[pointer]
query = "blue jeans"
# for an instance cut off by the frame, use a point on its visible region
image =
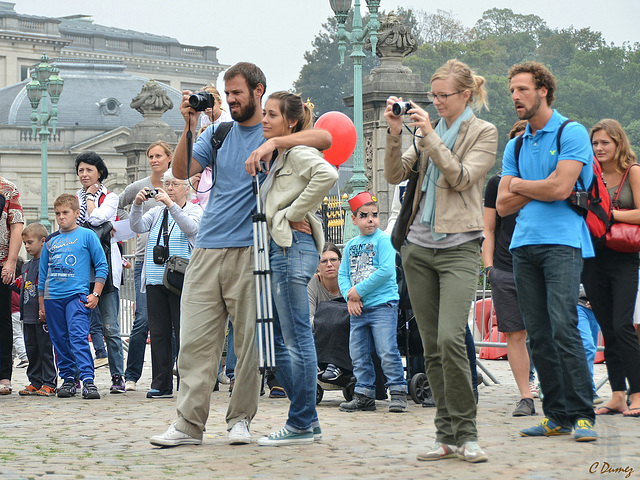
(375, 330)
(296, 358)
(548, 280)
(109, 306)
(95, 330)
(139, 331)
(589, 329)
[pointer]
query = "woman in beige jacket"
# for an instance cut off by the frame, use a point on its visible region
(440, 234)
(297, 182)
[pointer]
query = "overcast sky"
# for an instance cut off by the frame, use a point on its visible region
(274, 34)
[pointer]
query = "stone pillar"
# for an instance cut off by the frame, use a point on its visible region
(395, 42)
(151, 102)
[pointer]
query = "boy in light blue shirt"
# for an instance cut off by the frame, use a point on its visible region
(367, 280)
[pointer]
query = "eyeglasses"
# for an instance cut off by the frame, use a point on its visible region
(174, 184)
(364, 215)
(442, 97)
(330, 260)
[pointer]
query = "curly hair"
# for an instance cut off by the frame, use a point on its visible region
(542, 77)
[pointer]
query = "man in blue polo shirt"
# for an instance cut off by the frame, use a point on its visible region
(548, 244)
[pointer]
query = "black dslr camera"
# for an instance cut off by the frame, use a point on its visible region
(201, 101)
(400, 108)
(151, 193)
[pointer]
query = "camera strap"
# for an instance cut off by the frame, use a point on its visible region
(164, 230)
(217, 138)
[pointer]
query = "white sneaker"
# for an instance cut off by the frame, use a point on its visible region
(534, 390)
(239, 433)
(130, 386)
(173, 437)
(471, 452)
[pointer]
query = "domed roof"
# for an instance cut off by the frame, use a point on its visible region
(95, 95)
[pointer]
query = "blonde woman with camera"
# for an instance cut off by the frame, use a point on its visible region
(441, 234)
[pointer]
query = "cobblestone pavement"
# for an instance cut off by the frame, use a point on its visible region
(57, 438)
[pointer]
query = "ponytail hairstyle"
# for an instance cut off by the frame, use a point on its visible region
(464, 79)
(294, 110)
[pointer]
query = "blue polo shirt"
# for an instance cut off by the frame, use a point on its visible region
(550, 223)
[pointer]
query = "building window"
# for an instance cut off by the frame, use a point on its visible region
(109, 106)
(24, 73)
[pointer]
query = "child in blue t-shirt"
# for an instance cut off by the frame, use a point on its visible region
(42, 366)
(367, 279)
(63, 294)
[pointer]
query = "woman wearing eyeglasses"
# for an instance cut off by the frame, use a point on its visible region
(297, 182)
(331, 327)
(441, 240)
(172, 223)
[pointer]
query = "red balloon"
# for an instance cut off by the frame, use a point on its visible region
(343, 133)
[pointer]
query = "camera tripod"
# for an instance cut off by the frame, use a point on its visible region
(262, 274)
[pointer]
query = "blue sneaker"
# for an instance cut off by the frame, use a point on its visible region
(583, 431)
(155, 393)
(546, 428)
(317, 434)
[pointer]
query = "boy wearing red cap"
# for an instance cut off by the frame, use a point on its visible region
(367, 279)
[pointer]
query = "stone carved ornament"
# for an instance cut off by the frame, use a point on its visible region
(152, 99)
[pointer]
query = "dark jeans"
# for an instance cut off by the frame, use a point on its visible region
(139, 331)
(164, 318)
(6, 332)
(548, 281)
(95, 330)
(42, 365)
(611, 283)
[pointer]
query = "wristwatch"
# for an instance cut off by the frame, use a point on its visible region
(95, 294)
(90, 196)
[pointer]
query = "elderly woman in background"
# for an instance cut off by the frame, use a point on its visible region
(178, 220)
(97, 207)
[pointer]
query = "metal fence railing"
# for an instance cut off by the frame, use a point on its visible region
(127, 297)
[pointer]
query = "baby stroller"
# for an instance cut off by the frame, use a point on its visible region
(331, 335)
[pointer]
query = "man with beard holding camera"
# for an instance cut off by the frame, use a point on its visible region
(219, 281)
(548, 244)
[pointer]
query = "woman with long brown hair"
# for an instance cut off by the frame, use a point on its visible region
(611, 278)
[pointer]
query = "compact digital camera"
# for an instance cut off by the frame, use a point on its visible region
(151, 193)
(201, 101)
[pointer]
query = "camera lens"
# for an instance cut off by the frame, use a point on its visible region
(400, 108)
(201, 101)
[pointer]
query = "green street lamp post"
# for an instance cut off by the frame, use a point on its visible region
(357, 38)
(45, 82)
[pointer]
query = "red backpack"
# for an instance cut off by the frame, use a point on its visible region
(599, 217)
(598, 212)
